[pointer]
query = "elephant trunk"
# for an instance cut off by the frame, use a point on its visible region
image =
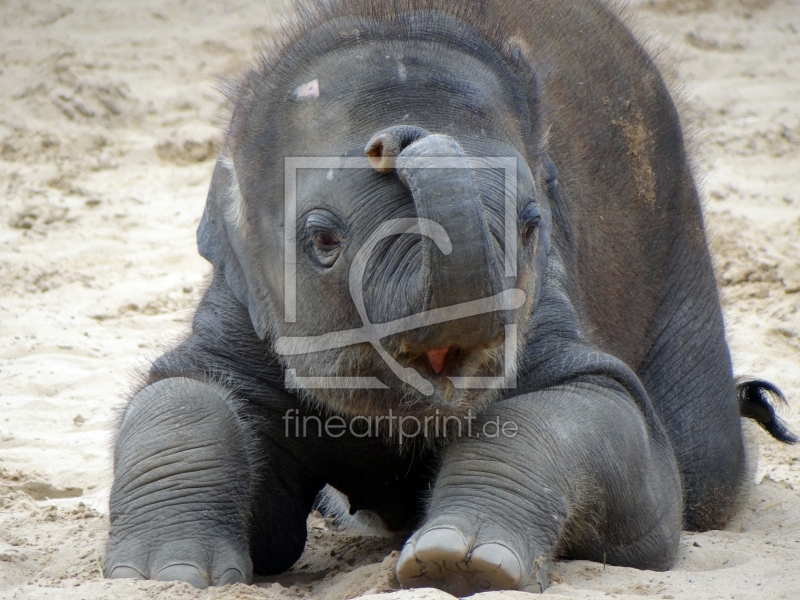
(436, 170)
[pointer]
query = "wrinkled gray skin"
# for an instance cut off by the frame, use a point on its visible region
(626, 412)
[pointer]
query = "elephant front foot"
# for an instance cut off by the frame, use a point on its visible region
(199, 562)
(464, 556)
(182, 489)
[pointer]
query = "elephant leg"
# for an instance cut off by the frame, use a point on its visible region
(286, 493)
(184, 484)
(688, 376)
(573, 469)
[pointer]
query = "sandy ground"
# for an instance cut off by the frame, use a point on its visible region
(109, 123)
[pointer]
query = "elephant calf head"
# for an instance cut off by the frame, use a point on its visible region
(378, 207)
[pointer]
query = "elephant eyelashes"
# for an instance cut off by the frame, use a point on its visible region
(324, 239)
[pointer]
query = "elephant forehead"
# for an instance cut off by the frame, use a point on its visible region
(347, 94)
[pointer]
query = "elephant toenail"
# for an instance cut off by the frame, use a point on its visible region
(229, 577)
(499, 565)
(123, 572)
(188, 573)
(441, 544)
(407, 565)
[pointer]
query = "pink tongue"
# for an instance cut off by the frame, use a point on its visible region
(436, 357)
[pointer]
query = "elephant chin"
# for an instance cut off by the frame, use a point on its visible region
(393, 394)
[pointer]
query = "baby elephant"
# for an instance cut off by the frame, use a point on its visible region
(460, 275)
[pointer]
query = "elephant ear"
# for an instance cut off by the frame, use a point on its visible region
(221, 241)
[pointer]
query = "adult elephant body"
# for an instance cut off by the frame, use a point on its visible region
(569, 296)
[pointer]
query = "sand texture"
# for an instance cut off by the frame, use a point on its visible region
(109, 126)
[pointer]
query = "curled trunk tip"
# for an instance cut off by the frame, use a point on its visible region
(384, 147)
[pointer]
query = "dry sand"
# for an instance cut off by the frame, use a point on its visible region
(109, 123)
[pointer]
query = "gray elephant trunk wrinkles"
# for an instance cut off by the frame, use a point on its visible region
(450, 197)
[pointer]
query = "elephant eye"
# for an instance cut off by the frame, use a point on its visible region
(324, 237)
(325, 241)
(325, 246)
(529, 220)
(527, 232)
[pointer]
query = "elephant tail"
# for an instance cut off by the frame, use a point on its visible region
(758, 400)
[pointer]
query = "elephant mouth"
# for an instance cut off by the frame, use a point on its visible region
(439, 357)
(442, 363)
(435, 364)
(447, 368)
